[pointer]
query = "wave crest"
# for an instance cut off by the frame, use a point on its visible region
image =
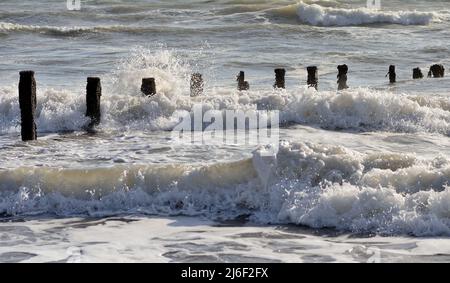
(308, 184)
(324, 16)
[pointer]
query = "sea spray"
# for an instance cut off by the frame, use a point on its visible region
(360, 109)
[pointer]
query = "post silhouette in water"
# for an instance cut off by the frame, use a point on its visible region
(436, 71)
(392, 75)
(417, 73)
(342, 77)
(148, 87)
(197, 84)
(242, 83)
(93, 96)
(313, 77)
(280, 81)
(27, 102)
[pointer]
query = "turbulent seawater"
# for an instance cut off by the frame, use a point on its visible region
(362, 171)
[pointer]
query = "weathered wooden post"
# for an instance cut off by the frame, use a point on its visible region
(148, 86)
(242, 84)
(392, 75)
(27, 102)
(280, 81)
(436, 71)
(342, 77)
(93, 95)
(313, 77)
(417, 73)
(197, 84)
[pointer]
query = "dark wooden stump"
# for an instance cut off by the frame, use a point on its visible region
(27, 101)
(436, 71)
(242, 83)
(280, 81)
(197, 84)
(313, 77)
(342, 77)
(392, 75)
(417, 73)
(148, 86)
(93, 96)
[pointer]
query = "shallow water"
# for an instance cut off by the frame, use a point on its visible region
(191, 240)
(373, 160)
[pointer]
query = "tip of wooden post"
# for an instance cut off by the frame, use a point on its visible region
(417, 73)
(437, 71)
(196, 76)
(148, 79)
(27, 73)
(280, 74)
(343, 68)
(93, 79)
(148, 86)
(197, 84)
(242, 84)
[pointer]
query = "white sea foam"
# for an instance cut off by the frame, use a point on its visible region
(123, 106)
(316, 15)
(309, 184)
(358, 109)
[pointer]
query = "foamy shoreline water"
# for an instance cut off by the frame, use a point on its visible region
(181, 239)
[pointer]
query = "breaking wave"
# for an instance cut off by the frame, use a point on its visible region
(6, 28)
(316, 15)
(124, 107)
(307, 184)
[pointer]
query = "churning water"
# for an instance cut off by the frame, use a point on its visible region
(373, 160)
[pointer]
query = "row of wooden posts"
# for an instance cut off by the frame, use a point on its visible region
(27, 91)
(436, 71)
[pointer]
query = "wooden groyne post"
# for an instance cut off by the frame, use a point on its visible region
(148, 86)
(417, 73)
(280, 81)
(242, 83)
(392, 74)
(197, 84)
(436, 71)
(27, 101)
(313, 77)
(93, 96)
(342, 77)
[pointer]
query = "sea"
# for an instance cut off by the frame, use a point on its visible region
(358, 175)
